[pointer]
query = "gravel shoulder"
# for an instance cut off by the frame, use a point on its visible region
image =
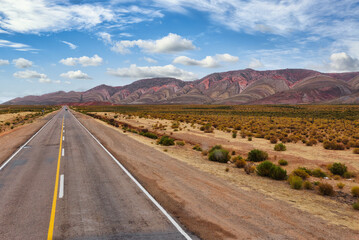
(214, 204)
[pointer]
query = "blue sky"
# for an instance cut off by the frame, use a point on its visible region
(47, 46)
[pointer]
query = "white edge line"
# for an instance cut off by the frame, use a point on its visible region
(12, 156)
(178, 227)
(63, 152)
(61, 191)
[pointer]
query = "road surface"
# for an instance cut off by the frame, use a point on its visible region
(64, 185)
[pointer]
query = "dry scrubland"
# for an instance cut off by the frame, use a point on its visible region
(15, 116)
(313, 149)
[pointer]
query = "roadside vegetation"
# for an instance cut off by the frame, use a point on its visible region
(333, 127)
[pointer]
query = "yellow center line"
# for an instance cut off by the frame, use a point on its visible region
(53, 210)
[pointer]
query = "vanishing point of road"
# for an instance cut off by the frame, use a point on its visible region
(63, 184)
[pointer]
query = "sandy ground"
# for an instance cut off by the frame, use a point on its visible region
(9, 116)
(12, 139)
(226, 204)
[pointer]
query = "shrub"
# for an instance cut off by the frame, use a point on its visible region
(257, 155)
(234, 134)
(149, 135)
(356, 150)
(218, 154)
(340, 185)
(300, 173)
(273, 140)
(264, 168)
(348, 175)
(326, 189)
(280, 147)
(295, 182)
(308, 185)
(239, 162)
(278, 173)
(338, 169)
(306, 170)
(332, 145)
(318, 173)
(166, 141)
(355, 191)
(249, 168)
(356, 206)
(283, 162)
(197, 148)
(249, 138)
(180, 143)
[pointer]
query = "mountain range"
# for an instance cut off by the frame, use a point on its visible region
(248, 86)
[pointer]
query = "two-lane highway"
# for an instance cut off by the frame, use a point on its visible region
(64, 185)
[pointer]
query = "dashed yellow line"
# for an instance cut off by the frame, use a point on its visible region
(53, 210)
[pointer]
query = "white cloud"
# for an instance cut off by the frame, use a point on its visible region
(71, 45)
(67, 82)
(4, 62)
(22, 63)
(29, 74)
(171, 43)
(255, 64)
(207, 62)
(36, 16)
(75, 75)
(331, 18)
(150, 72)
(16, 46)
(106, 37)
(343, 62)
(84, 61)
(150, 60)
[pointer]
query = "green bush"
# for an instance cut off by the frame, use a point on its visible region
(340, 185)
(356, 205)
(301, 173)
(348, 175)
(166, 141)
(295, 182)
(308, 185)
(355, 191)
(218, 154)
(149, 135)
(197, 148)
(283, 162)
(268, 169)
(280, 147)
(278, 173)
(318, 173)
(264, 168)
(257, 155)
(338, 169)
(326, 189)
(180, 143)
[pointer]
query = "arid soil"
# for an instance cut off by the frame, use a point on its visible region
(11, 140)
(216, 204)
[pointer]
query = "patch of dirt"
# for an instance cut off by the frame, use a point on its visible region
(243, 206)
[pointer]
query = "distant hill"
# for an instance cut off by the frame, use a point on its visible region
(286, 86)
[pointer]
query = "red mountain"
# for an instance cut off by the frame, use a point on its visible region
(286, 86)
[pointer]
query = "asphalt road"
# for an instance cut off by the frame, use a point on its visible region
(64, 185)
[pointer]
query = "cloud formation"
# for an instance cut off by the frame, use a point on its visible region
(150, 60)
(343, 62)
(14, 45)
(75, 75)
(4, 62)
(84, 61)
(30, 74)
(255, 64)
(136, 72)
(71, 45)
(207, 62)
(36, 16)
(22, 63)
(171, 43)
